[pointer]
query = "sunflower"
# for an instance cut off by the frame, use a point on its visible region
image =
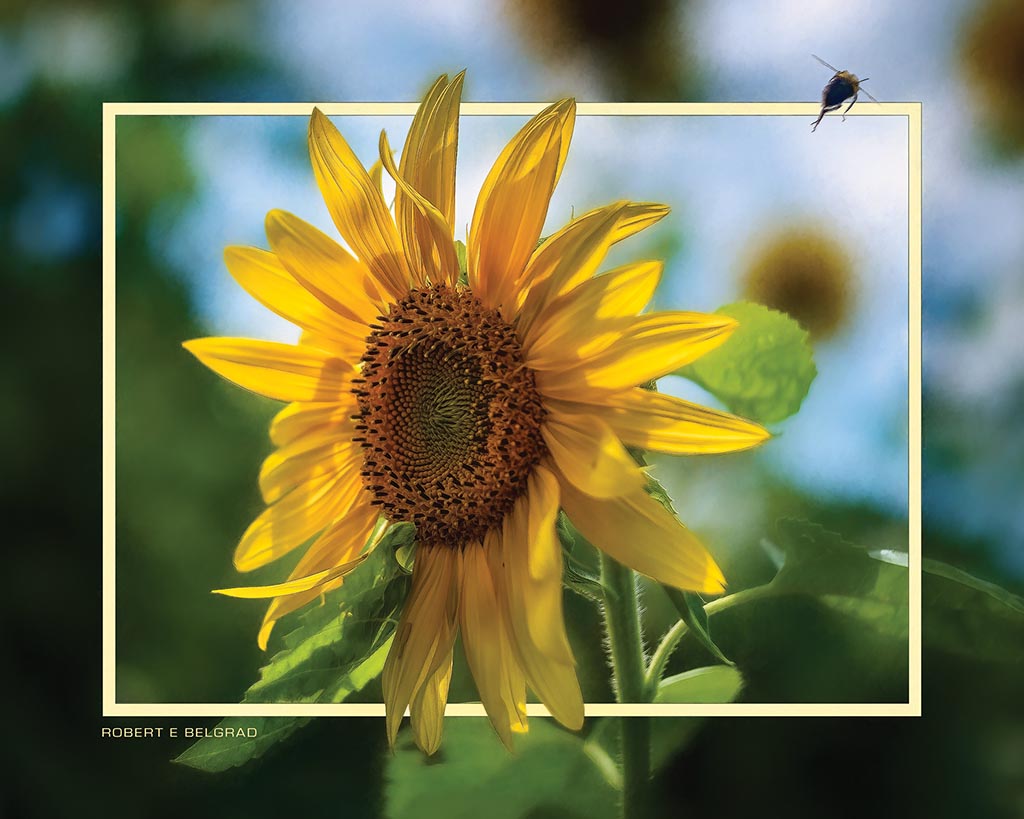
(474, 408)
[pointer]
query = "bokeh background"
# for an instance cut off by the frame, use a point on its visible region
(189, 446)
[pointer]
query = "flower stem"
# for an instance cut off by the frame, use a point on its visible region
(656, 668)
(622, 621)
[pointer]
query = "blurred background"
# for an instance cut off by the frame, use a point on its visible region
(762, 209)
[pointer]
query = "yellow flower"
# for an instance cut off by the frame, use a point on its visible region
(474, 411)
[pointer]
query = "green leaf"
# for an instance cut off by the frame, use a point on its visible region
(764, 370)
(971, 617)
(691, 610)
(336, 649)
(215, 754)
(960, 613)
(550, 774)
(713, 684)
(822, 563)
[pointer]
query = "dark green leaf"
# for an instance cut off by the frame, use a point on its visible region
(960, 613)
(764, 370)
(550, 774)
(691, 610)
(972, 617)
(336, 649)
(821, 563)
(215, 754)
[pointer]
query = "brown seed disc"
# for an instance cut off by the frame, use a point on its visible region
(449, 416)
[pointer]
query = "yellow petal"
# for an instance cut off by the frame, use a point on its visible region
(425, 631)
(300, 419)
(652, 420)
(640, 533)
(591, 456)
(319, 453)
(429, 154)
(266, 279)
(281, 371)
(426, 711)
(489, 653)
(653, 346)
(339, 544)
(577, 324)
(533, 583)
(572, 255)
(426, 236)
(326, 270)
(306, 510)
(301, 584)
(513, 203)
(377, 176)
(356, 206)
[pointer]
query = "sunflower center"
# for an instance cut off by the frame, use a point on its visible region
(449, 415)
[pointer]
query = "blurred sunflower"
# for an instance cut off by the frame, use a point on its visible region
(803, 270)
(992, 58)
(474, 410)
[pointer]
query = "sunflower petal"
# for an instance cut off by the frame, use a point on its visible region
(266, 279)
(488, 649)
(640, 533)
(426, 235)
(533, 583)
(591, 456)
(326, 270)
(572, 255)
(426, 711)
(322, 452)
(299, 584)
(429, 154)
(339, 544)
(653, 346)
(356, 205)
(425, 631)
(597, 308)
(306, 510)
(513, 203)
(651, 420)
(299, 419)
(282, 371)
(376, 172)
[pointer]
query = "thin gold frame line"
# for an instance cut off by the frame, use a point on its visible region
(912, 111)
(653, 109)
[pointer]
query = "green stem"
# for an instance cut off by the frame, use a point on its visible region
(656, 668)
(622, 621)
(730, 600)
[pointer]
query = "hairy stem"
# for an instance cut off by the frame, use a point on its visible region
(656, 668)
(659, 660)
(622, 621)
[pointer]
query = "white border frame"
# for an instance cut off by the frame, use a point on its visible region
(910, 110)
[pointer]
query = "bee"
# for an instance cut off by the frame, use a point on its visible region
(838, 90)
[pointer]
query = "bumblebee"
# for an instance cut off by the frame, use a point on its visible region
(838, 90)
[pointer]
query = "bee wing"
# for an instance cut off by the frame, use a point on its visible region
(866, 94)
(825, 63)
